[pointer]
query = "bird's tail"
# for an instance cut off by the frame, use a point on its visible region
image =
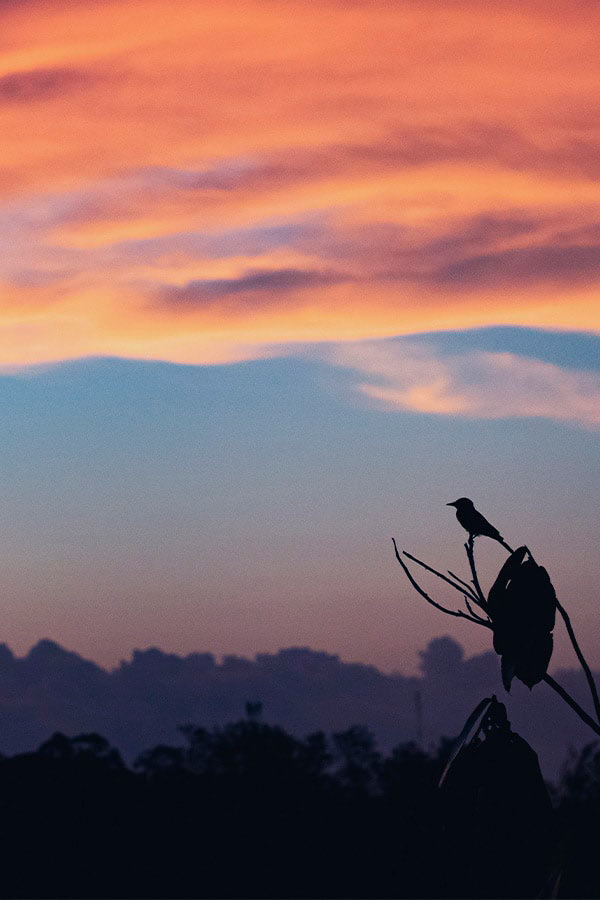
(504, 544)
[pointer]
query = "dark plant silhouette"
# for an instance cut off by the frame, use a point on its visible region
(492, 776)
(519, 610)
(496, 803)
(522, 607)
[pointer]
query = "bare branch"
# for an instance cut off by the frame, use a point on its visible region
(474, 613)
(572, 703)
(456, 587)
(450, 612)
(466, 584)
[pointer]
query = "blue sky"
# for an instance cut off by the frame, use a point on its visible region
(245, 507)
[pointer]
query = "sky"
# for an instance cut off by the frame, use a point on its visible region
(278, 280)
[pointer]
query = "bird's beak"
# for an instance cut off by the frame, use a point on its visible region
(451, 504)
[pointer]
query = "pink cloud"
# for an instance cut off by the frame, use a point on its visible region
(475, 385)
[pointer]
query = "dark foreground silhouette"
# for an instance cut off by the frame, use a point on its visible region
(250, 811)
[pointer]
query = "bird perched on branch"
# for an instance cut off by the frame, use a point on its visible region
(476, 524)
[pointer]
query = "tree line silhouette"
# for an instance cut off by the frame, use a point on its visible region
(248, 810)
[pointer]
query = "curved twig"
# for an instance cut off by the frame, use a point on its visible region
(578, 652)
(466, 584)
(450, 612)
(572, 703)
(473, 613)
(581, 658)
(456, 587)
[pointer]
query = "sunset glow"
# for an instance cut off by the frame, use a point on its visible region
(278, 280)
(212, 182)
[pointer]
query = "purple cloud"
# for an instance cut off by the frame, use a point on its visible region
(277, 282)
(528, 265)
(39, 84)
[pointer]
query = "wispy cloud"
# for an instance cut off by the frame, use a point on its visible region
(404, 376)
(39, 85)
(157, 170)
(269, 284)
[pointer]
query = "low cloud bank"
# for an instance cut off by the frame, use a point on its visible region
(143, 701)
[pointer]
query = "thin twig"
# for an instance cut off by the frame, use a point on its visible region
(581, 658)
(466, 584)
(481, 601)
(572, 703)
(470, 547)
(458, 613)
(472, 611)
(456, 587)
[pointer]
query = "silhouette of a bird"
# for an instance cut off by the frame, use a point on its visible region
(476, 524)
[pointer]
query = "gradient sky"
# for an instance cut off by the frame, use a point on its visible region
(277, 281)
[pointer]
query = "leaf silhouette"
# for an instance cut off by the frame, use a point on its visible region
(467, 733)
(522, 607)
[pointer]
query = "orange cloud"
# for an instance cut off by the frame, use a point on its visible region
(191, 185)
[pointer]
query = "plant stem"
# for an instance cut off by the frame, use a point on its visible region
(581, 658)
(470, 548)
(572, 703)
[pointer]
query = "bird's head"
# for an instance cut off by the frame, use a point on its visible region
(461, 503)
